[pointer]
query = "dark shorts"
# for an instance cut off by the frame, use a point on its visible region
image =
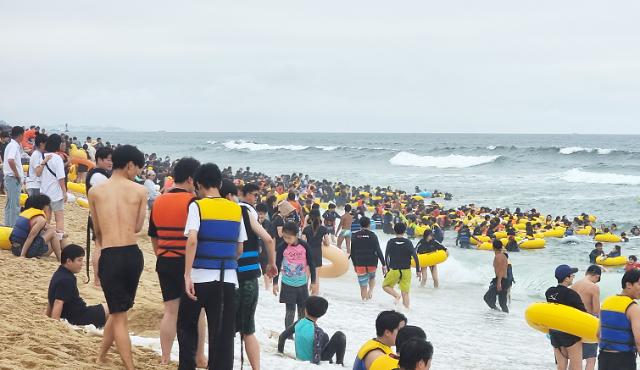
(246, 303)
(293, 295)
(82, 168)
(316, 253)
(589, 350)
(171, 276)
(92, 315)
(616, 361)
(38, 248)
(119, 270)
(560, 339)
(263, 258)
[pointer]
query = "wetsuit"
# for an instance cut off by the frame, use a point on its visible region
(568, 297)
(595, 254)
(429, 246)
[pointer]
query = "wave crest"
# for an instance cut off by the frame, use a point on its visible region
(447, 161)
(576, 175)
(578, 149)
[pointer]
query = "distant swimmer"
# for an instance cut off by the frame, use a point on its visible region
(589, 292)
(398, 256)
(500, 285)
(597, 252)
(118, 209)
(632, 263)
(567, 348)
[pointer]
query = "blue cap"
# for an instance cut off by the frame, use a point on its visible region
(563, 271)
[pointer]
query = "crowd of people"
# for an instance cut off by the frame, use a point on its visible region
(215, 232)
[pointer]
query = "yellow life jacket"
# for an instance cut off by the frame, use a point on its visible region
(386, 362)
(368, 346)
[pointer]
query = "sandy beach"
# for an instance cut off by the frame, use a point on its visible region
(30, 340)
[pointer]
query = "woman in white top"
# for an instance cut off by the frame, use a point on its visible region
(52, 180)
(150, 184)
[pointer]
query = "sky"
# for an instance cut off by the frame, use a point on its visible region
(323, 66)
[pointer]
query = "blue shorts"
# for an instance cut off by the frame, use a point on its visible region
(38, 248)
(589, 350)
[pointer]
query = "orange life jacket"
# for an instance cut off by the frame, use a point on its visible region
(170, 216)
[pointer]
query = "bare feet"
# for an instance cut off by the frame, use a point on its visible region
(103, 361)
(396, 301)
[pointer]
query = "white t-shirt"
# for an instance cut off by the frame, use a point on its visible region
(207, 275)
(12, 151)
(49, 185)
(151, 187)
(91, 151)
(33, 181)
(97, 178)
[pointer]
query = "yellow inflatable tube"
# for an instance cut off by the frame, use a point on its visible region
(533, 244)
(339, 262)
(77, 188)
(431, 259)
(608, 238)
(544, 316)
(558, 232)
(5, 232)
(611, 261)
(482, 238)
(500, 234)
(82, 202)
(585, 231)
(281, 197)
(485, 246)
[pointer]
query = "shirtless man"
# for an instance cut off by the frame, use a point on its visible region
(500, 284)
(590, 294)
(118, 208)
(344, 228)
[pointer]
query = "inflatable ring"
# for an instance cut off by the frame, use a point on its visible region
(281, 197)
(533, 244)
(417, 197)
(543, 316)
(611, 261)
(558, 232)
(608, 238)
(82, 161)
(520, 226)
(339, 262)
(485, 246)
(431, 259)
(376, 197)
(500, 234)
(585, 231)
(535, 235)
(23, 199)
(5, 232)
(82, 202)
(77, 188)
(482, 238)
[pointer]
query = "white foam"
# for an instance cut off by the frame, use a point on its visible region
(326, 148)
(250, 145)
(211, 142)
(576, 175)
(578, 149)
(448, 161)
(491, 147)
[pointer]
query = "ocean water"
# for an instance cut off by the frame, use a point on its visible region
(557, 174)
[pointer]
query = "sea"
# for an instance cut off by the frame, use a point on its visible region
(555, 174)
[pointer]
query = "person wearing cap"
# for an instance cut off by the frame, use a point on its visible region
(589, 292)
(150, 184)
(499, 286)
(567, 348)
(619, 332)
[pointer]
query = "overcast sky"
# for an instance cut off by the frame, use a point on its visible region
(396, 66)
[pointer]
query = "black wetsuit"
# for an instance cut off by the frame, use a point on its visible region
(429, 246)
(399, 253)
(365, 249)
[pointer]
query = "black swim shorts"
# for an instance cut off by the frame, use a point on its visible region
(560, 339)
(119, 270)
(293, 295)
(616, 361)
(92, 315)
(171, 275)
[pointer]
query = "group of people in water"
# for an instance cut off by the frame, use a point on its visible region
(215, 232)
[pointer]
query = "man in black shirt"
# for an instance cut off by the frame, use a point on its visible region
(596, 253)
(365, 253)
(398, 256)
(64, 298)
(567, 348)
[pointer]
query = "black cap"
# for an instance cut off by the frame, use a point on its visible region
(594, 270)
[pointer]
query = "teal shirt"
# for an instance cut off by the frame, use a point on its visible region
(304, 339)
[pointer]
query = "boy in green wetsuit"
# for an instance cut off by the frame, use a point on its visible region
(398, 256)
(312, 343)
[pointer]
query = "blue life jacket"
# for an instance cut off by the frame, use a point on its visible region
(615, 327)
(218, 235)
(22, 227)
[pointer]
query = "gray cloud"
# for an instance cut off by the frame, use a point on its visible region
(414, 66)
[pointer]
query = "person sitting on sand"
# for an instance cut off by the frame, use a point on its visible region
(416, 355)
(32, 236)
(64, 301)
(388, 324)
(312, 343)
(390, 361)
